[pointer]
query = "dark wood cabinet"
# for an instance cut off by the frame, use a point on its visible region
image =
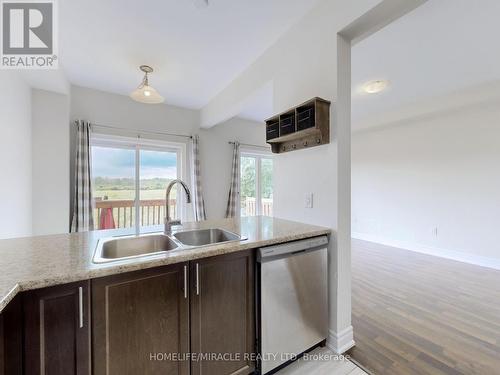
(222, 314)
(57, 330)
(139, 320)
(189, 318)
(11, 338)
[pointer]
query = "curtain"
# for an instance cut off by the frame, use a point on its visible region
(234, 190)
(197, 193)
(83, 207)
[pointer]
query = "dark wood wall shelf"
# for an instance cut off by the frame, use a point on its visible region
(304, 126)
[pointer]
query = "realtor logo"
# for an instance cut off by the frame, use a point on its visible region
(28, 35)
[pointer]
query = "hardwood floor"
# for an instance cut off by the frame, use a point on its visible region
(321, 365)
(419, 314)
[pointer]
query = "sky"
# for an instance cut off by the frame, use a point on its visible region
(120, 163)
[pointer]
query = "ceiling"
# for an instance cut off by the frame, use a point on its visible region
(439, 50)
(195, 52)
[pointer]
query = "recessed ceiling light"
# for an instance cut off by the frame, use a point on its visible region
(374, 87)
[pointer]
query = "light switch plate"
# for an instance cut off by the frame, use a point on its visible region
(309, 200)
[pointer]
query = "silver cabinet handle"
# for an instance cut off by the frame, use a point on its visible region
(80, 306)
(197, 279)
(185, 282)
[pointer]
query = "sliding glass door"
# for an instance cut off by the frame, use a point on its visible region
(130, 179)
(256, 190)
(114, 186)
(156, 169)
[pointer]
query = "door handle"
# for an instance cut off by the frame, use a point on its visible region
(185, 282)
(80, 306)
(197, 279)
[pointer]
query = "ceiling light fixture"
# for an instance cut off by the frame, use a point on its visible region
(145, 93)
(374, 87)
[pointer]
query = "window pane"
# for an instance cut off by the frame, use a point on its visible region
(113, 174)
(266, 186)
(157, 170)
(248, 187)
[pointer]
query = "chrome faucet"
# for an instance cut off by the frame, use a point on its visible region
(168, 220)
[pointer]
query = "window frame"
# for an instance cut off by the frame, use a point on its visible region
(258, 155)
(137, 144)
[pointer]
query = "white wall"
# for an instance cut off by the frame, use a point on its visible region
(301, 65)
(50, 154)
(440, 171)
(216, 158)
(119, 110)
(15, 156)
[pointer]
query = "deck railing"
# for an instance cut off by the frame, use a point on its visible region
(250, 207)
(151, 212)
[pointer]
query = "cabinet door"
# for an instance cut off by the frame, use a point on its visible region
(11, 338)
(57, 330)
(222, 314)
(139, 320)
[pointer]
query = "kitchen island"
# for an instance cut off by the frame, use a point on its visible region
(82, 317)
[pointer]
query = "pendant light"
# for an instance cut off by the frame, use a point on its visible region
(145, 93)
(374, 87)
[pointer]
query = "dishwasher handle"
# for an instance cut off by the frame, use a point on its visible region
(288, 249)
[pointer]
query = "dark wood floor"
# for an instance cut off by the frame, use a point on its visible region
(419, 314)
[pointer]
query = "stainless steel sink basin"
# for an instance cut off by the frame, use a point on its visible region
(114, 249)
(202, 237)
(129, 247)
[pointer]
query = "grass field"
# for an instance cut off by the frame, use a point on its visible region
(130, 194)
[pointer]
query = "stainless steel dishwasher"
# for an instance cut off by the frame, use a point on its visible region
(293, 300)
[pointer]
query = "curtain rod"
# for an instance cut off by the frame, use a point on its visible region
(249, 145)
(140, 131)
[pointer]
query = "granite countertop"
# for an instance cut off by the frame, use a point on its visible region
(37, 262)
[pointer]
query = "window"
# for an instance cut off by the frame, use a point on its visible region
(256, 189)
(130, 178)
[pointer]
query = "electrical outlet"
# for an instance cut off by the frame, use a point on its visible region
(309, 200)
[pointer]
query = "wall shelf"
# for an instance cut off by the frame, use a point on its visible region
(304, 126)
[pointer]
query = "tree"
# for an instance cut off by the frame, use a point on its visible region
(248, 177)
(247, 188)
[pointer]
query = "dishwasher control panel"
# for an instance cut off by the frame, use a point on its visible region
(292, 247)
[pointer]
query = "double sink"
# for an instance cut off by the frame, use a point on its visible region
(130, 247)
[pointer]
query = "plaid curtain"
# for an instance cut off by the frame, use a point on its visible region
(198, 202)
(83, 207)
(234, 190)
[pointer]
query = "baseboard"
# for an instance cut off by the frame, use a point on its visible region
(341, 342)
(429, 250)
